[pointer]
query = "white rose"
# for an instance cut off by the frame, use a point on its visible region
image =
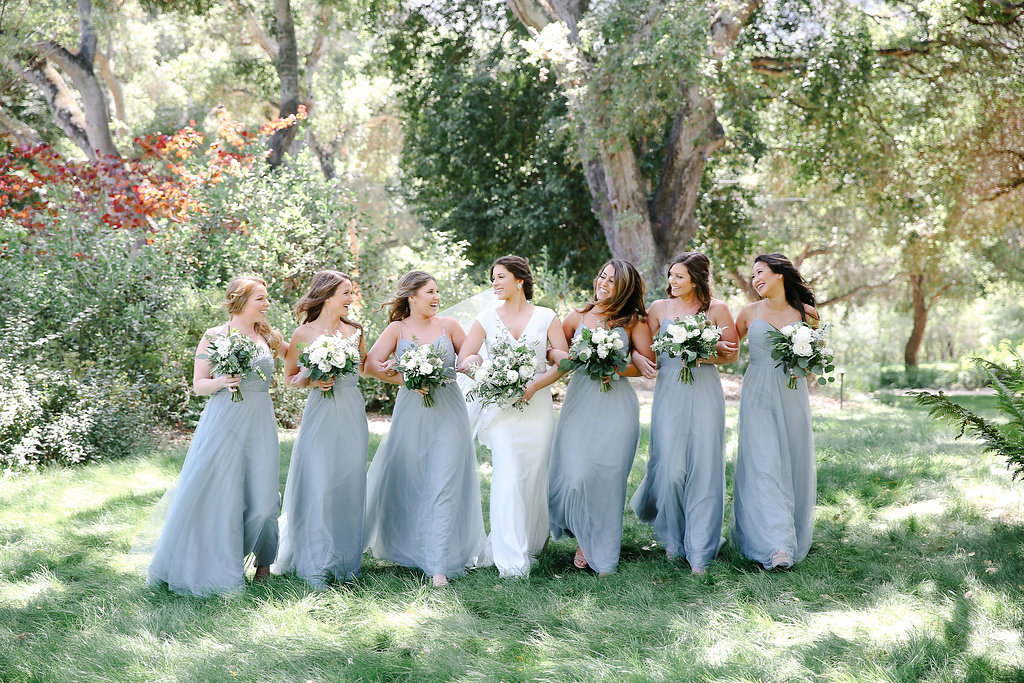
(223, 345)
(803, 334)
(803, 348)
(693, 332)
(525, 372)
(512, 375)
(602, 352)
(324, 367)
(318, 354)
(679, 335)
(426, 368)
(599, 335)
(788, 329)
(618, 343)
(708, 334)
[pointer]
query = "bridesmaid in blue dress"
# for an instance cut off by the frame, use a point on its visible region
(226, 500)
(683, 493)
(775, 484)
(423, 487)
(598, 432)
(324, 499)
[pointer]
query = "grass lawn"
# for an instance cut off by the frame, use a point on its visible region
(915, 574)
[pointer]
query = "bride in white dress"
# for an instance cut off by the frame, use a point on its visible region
(519, 440)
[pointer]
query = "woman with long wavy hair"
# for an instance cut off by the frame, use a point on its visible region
(682, 494)
(598, 431)
(423, 489)
(224, 506)
(774, 484)
(325, 496)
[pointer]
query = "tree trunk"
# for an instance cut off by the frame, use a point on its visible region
(921, 307)
(61, 102)
(288, 72)
(646, 231)
(95, 118)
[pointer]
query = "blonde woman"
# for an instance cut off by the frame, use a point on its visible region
(225, 504)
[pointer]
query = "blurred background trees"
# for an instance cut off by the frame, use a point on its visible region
(151, 149)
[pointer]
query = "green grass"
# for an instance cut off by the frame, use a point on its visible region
(916, 573)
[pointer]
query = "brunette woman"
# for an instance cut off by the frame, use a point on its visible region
(774, 483)
(423, 488)
(683, 493)
(325, 497)
(598, 431)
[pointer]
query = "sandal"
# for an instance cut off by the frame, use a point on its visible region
(780, 559)
(578, 560)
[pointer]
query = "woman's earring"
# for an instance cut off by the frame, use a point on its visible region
(519, 286)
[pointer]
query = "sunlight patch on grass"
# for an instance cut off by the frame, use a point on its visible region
(36, 586)
(932, 506)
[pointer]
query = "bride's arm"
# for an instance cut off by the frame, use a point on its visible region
(469, 353)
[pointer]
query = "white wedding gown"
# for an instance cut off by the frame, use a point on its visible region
(520, 445)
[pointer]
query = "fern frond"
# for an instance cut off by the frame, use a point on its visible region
(1002, 439)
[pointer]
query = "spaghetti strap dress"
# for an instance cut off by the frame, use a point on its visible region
(325, 496)
(682, 494)
(423, 486)
(775, 482)
(225, 503)
(595, 441)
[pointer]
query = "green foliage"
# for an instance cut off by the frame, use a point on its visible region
(1006, 438)
(52, 416)
(488, 155)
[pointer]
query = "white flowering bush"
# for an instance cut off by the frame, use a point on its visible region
(49, 417)
(422, 367)
(802, 350)
(502, 378)
(331, 356)
(599, 353)
(691, 339)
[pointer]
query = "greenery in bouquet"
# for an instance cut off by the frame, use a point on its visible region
(599, 353)
(232, 353)
(503, 376)
(422, 367)
(803, 350)
(692, 339)
(330, 356)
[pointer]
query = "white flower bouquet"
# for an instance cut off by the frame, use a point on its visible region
(802, 350)
(691, 339)
(232, 353)
(423, 368)
(331, 356)
(502, 377)
(600, 353)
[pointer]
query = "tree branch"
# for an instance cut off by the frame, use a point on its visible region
(112, 84)
(268, 44)
(20, 132)
(857, 290)
(59, 99)
(726, 26)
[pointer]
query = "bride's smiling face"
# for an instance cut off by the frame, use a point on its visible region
(426, 301)
(504, 282)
